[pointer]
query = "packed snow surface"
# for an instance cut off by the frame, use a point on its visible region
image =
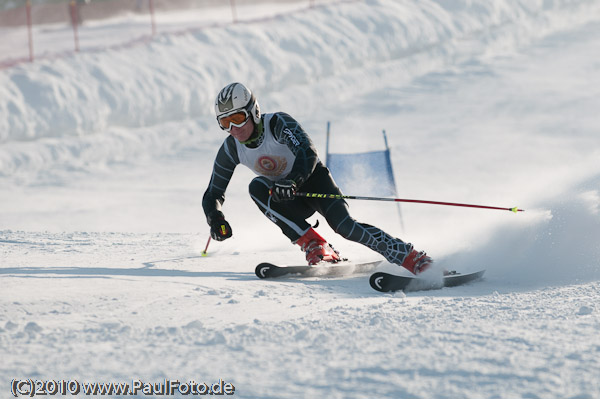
(105, 155)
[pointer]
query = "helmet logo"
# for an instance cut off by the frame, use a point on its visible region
(225, 99)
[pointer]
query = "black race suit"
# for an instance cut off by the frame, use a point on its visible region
(284, 151)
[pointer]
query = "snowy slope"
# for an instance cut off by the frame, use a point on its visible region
(104, 157)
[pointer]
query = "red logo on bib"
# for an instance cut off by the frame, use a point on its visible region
(270, 165)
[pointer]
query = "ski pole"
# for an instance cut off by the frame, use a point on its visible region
(356, 197)
(206, 248)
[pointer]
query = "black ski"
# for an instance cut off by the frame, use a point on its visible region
(385, 282)
(269, 270)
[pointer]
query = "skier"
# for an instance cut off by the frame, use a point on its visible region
(278, 150)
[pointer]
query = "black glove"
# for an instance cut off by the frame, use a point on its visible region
(219, 228)
(283, 190)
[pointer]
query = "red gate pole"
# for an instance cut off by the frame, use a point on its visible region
(152, 21)
(29, 30)
(74, 22)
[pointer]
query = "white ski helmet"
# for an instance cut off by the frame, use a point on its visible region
(236, 97)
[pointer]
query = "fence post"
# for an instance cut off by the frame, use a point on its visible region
(233, 11)
(29, 30)
(74, 22)
(152, 21)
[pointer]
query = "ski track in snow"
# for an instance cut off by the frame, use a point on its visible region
(101, 230)
(135, 308)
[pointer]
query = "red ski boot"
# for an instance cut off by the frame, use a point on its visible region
(417, 262)
(317, 249)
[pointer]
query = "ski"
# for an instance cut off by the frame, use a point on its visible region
(385, 282)
(269, 270)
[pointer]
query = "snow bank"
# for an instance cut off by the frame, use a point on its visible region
(175, 76)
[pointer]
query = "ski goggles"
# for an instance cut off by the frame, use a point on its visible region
(237, 118)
